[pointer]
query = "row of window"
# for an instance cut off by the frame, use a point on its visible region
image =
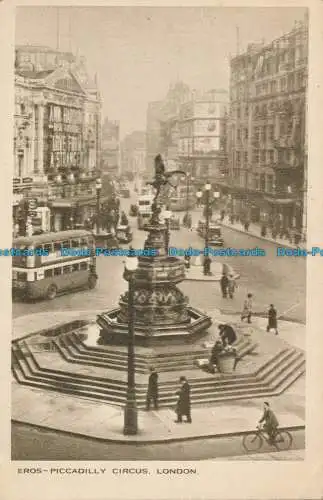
(58, 245)
(58, 271)
(290, 83)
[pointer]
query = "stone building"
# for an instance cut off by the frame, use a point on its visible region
(203, 135)
(57, 127)
(133, 154)
(267, 136)
(110, 154)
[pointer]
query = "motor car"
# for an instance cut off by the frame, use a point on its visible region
(124, 233)
(215, 232)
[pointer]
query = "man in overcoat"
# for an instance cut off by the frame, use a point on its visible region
(183, 407)
(270, 422)
(152, 391)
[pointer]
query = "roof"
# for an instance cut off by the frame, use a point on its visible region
(48, 237)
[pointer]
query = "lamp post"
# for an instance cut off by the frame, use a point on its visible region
(167, 214)
(189, 179)
(98, 187)
(130, 409)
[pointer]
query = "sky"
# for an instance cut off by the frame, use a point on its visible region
(137, 52)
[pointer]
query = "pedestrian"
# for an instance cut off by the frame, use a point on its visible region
(270, 422)
(222, 215)
(247, 308)
(183, 406)
(272, 319)
(152, 391)
(232, 285)
(224, 283)
(187, 261)
(227, 334)
(246, 225)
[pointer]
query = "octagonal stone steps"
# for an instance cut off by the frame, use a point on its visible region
(73, 349)
(272, 378)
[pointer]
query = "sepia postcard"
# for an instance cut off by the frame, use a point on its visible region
(161, 250)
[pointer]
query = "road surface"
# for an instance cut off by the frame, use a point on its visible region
(31, 443)
(271, 279)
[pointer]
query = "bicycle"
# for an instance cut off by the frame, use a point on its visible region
(254, 440)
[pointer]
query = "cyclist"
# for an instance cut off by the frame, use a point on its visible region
(270, 422)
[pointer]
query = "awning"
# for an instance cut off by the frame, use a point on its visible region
(281, 201)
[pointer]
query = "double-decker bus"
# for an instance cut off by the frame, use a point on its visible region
(41, 269)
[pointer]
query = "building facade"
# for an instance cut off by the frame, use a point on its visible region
(110, 154)
(133, 151)
(203, 135)
(267, 132)
(57, 146)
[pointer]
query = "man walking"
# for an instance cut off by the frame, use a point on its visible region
(270, 422)
(231, 286)
(183, 406)
(272, 319)
(152, 391)
(247, 308)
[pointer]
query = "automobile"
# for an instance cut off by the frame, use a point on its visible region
(174, 223)
(124, 233)
(125, 192)
(215, 233)
(133, 211)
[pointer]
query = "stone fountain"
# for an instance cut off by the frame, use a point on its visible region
(162, 311)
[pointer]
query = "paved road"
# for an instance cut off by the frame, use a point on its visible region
(278, 280)
(29, 443)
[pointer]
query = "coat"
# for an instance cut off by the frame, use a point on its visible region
(269, 418)
(153, 384)
(272, 318)
(229, 334)
(247, 306)
(183, 406)
(224, 282)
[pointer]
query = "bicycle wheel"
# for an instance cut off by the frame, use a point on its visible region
(283, 440)
(252, 441)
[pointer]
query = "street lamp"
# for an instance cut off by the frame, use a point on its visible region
(207, 213)
(130, 409)
(167, 214)
(98, 187)
(189, 179)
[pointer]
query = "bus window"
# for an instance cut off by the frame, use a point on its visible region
(39, 250)
(66, 244)
(75, 267)
(48, 273)
(75, 243)
(67, 269)
(83, 266)
(48, 248)
(57, 271)
(21, 276)
(84, 242)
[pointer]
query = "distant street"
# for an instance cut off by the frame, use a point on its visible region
(29, 443)
(278, 280)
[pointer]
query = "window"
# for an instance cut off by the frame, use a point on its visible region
(75, 243)
(75, 267)
(263, 156)
(21, 276)
(270, 183)
(239, 134)
(67, 269)
(48, 248)
(83, 266)
(246, 157)
(271, 156)
(246, 133)
(57, 271)
(263, 182)
(39, 249)
(48, 273)
(271, 132)
(66, 244)
(84, 242)
(57, 246)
